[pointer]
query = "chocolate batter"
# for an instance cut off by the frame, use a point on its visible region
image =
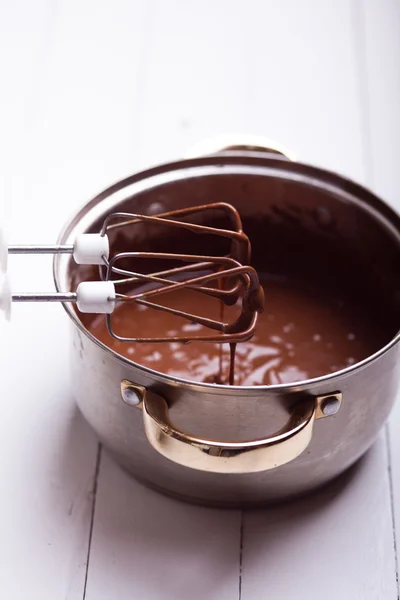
(302, 333)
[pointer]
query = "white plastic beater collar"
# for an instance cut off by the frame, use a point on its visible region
(5, 296)
(96, 297)
(90, 248)
(92, 296)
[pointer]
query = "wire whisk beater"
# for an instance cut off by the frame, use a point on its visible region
(228, 278)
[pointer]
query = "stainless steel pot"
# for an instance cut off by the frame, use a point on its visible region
(233, 446)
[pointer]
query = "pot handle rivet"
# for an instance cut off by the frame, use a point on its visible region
(330, 406)
(132, 394)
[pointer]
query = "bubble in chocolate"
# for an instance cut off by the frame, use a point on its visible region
(156, 208)
(323, 216)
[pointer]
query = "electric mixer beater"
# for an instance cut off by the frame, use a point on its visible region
(228, 278)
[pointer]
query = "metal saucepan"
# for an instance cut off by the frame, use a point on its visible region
(233, 446)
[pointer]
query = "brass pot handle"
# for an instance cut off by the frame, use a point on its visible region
(229, 457)
(249, 143)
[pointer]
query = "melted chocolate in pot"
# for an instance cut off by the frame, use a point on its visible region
(302, 333)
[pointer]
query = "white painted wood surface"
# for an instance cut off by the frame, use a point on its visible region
(90, 91)
(148, 546)
(382, 51)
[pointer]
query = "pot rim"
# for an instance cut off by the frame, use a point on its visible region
(313, 174)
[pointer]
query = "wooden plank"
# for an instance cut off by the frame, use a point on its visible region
(24, 40)
(47, 452)
(23, 36)
(334, 544)
(147, 546)
(82, 133)
(381, 38)
(283, 70)
(47, 464)
(60, 144)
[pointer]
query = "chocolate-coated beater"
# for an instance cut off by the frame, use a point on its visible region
(227, 278)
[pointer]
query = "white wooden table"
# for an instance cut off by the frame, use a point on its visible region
(91, 90)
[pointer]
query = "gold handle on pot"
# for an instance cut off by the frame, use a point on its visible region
(229, 457)
(249, 143)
